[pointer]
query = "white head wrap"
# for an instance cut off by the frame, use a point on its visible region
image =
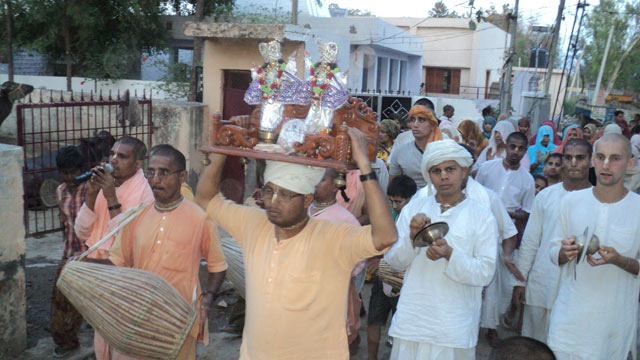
(612, 129)
(440, 151)
(301, 179)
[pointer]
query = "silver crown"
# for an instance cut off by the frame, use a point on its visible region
(270, 51)
(328, 51)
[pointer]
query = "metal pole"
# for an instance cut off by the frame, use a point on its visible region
(602, 66)
(504, 106)
(552, 48)
(294, 12)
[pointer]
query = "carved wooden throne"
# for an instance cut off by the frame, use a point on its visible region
(331, 150)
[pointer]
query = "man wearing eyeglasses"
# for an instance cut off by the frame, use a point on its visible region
(109, 195)
(297, 269)
(170, 237)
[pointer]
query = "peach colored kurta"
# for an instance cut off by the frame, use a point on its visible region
(171, 244)
(296, 288)
(91, 226)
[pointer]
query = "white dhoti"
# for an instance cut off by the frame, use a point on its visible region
(535, 322)
(497, 295)
(413, 350)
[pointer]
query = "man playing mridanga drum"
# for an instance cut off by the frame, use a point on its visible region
(170, 237)
(297, 269)
(109, 195)
(594, 315)
(438, 313)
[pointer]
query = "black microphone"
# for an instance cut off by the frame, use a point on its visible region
(86, 176)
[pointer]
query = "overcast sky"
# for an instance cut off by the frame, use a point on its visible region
(541, 12)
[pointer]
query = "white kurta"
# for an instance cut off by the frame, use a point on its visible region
(533, 257)
(594, 315)
(496, 297)
(515, 188)
(440, 300)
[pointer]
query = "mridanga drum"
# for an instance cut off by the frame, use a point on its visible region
(235, 262)
(390, 276)
(136, 311)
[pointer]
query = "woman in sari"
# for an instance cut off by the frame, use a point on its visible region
(471, 136)
(487, 126)
(387, 133)
(570, 132)
(497, 147)
(538, 152)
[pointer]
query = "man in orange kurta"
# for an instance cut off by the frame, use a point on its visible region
(297, 269)
(108, 196)
(170, 237)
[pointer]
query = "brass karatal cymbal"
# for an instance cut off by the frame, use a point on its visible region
(430, 233)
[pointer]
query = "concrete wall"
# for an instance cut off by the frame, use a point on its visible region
(229, 54)
(184, 125)
(86, 85)
(13, 331)
(450, 43)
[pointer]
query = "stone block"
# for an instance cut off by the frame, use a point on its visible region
(182, 124)
(13, 332)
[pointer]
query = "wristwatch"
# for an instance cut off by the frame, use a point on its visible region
(115, 207)
(369, 176)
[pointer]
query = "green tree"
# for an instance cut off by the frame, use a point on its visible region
(93, 38)
(624, 17)
(440, 10)
(354, 12)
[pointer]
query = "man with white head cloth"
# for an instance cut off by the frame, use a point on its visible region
(496, 298)
(438, 312)
(297, 269)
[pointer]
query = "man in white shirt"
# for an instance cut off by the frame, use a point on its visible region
(516, 188)
(594, 315)
(447, 113)
(439, 308)
(513, 183)
(533, 257)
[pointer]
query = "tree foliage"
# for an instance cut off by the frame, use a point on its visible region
(624, 17)
(213, 8)
(440, 10)
(107, 37)
(354, 12)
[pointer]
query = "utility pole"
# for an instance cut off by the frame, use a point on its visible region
(10, 39)
(602, 66)
(505, 100)
(294, 12)
(552, 48)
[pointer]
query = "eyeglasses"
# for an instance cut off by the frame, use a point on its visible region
(160, 173)
(268, 193)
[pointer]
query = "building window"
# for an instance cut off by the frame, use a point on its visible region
(403, 67)
(366, 60)
(445, 81)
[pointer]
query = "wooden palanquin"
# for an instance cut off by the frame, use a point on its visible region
(331, 150)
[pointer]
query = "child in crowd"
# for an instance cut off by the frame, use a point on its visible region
(400, 190)
(553, 169)
(541, 182)
(65, 319)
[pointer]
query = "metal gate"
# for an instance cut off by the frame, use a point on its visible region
(49, 120)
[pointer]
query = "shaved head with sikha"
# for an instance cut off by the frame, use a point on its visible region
(612, 158)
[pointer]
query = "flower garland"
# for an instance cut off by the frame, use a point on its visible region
(268, 84)
(321, 75)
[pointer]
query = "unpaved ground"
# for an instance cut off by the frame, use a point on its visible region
(42, 258)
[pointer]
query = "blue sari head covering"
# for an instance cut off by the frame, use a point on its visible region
(538, 147)
(491, 120)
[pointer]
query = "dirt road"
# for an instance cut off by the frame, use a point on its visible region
(42, 258)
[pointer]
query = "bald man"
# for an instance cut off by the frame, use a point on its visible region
(595, 313)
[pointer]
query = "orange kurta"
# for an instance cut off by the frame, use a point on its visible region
(171, 244)
(296, 288)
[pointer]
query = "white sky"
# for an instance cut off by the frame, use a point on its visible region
(542, 12)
